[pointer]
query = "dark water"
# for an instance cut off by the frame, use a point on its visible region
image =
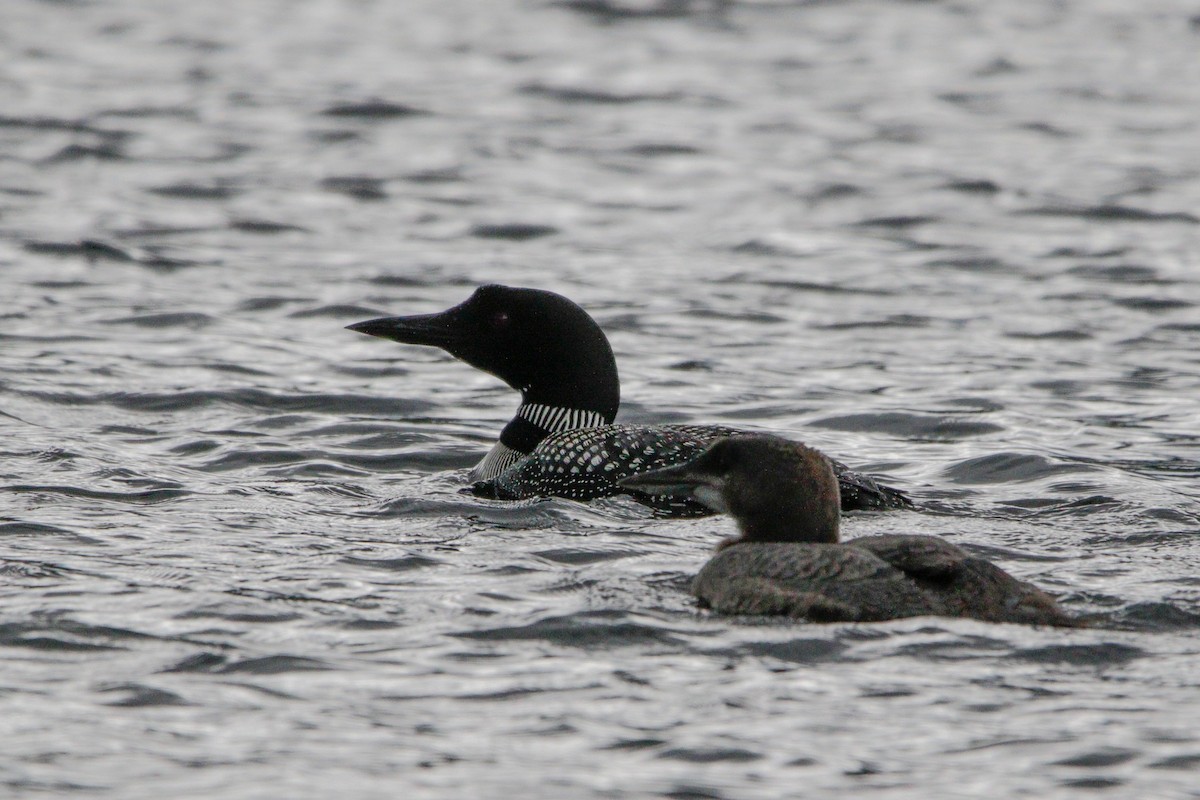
(954, 243)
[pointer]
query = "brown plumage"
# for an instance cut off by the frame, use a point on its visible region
(788, 561)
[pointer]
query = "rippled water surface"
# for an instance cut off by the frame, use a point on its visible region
(956, 244)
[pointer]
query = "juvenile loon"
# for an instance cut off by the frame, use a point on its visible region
(787, 560)
(562, 441)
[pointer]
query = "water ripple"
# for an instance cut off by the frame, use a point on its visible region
(949, 241)
(602, 630)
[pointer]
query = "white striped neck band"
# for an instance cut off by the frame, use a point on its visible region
(498, 459)
(555, 419)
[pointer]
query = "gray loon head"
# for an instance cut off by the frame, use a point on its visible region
(538, 342)
(777, 490)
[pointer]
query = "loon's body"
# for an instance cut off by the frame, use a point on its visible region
(562, 441)
(788, 561)
(587, 463)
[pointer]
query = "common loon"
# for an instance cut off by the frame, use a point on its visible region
(562, 441)
(787, 560)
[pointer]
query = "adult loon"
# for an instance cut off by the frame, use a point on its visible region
(787, 560)
(562, 441)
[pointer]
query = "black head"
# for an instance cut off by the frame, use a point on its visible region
(538, 342)
(777, 490)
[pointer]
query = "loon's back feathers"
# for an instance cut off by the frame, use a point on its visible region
(587, 463)
(868, 580)
(852, 582)
(552, 352)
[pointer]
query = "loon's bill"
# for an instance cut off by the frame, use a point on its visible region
(422, 329)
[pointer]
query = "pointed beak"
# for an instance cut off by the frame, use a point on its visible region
(435, 330)
(681, 480)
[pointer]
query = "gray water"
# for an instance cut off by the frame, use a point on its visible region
(954, 244)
